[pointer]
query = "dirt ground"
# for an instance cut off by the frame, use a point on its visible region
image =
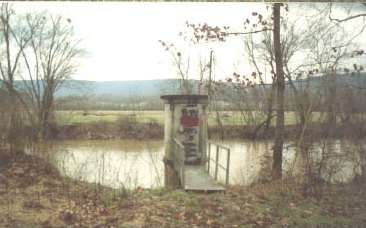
(33, 194)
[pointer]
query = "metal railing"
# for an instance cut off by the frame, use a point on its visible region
(216, 161)
(178, 160)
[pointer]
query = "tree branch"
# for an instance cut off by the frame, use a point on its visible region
(344, 19)
(246, 33)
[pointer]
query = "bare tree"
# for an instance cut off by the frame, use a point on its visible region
(13, 40)
(280, 97)
(50, 60)
(260, 25)
(213, 95)
(182, 64)
(330, 46)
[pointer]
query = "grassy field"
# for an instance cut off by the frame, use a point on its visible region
(227, 117)
(76, 117)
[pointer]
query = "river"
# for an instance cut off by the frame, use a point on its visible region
(134, 163)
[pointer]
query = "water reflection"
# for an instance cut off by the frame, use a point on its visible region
(117, 163)
(133, 163)
(335, 161)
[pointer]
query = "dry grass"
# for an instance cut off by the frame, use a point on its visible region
(33, 194)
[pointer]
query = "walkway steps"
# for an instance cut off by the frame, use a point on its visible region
(197, 179)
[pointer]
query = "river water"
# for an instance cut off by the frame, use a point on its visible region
(134, 163)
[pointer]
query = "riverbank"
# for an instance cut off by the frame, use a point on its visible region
(133, 130)
(150, 124)
(34, 194)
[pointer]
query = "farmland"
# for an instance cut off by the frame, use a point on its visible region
(228, 118)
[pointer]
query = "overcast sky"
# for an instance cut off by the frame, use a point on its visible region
(121, 38)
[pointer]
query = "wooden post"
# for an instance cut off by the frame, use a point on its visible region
(217, 161)
(209, 157)
(227, 166)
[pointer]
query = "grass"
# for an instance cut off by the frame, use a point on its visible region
(77, 117)
(227, 117)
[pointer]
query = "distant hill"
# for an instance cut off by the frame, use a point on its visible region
(355, 81)
(119, 88)
(155, 88)
(144, 94)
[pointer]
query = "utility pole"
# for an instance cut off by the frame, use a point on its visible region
(210, 75)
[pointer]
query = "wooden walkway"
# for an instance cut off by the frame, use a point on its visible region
(198, 179)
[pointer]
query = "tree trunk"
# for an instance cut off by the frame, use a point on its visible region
(299, 102)
(278, 146)
(14, 119)
(270, 108)
(45, 112)
(331, 110)
(219, 122)
(12, 130)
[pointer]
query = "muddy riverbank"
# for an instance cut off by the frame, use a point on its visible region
(103, 130)
(34, 194)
